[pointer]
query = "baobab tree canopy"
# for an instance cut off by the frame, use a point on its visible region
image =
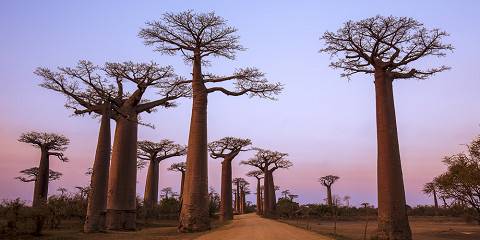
(47, 142)
(152, 151)
(207, 34)
(386, 43)
(227, 146)
(31, 174)
(178, 167)
(255, 173)
(88, 86)
(264, 158)
(328, 180)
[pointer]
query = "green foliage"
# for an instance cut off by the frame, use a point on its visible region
(286, 208)
(20, 219)
(214, 203)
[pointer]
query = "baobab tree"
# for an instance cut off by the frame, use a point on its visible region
(243, 191)
(227, 149)
(167, 193)
(179, 167)
(50, 144)
(328, 181)
(431, 189)
(154, 153)
(258, 174)
(268, 161)
(104, 91)
(31, 174)
(197, 37)
(386, 47)
(236, 183)
(87, 93)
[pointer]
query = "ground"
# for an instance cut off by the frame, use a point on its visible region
(251, 226)
(424, 228)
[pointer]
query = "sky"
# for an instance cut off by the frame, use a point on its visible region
(324, 122)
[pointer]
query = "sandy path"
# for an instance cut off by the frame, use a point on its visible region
(253, 227)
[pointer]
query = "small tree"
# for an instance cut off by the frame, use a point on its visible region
(258, 174)
(431, 189)
(167, 193)
(197, 37)
(50, 144)
(268, 161)
(227, 149)
(365, 206)
(386, 47)
(285, 193)
(154, 153)
(179, 167)
(328, 181)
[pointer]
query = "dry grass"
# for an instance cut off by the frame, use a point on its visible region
(162, 229)
(424, 228)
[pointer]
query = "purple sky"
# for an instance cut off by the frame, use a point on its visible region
(325, 123)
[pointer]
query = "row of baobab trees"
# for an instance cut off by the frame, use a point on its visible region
(383, 46)
(116, 91)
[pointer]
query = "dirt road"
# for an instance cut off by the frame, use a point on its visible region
(253, 227)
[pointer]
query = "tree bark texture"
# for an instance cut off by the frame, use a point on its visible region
(195, 215)
(40, 191)
(392, 215)
(121, 201)
(97, 198)
(150, 198)
(226, 211)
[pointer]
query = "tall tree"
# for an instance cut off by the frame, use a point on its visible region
(197, 37)
(50, 144)
(31, 174)
(106, 92)
(179, 167)
(236, 183)
(244, 190)
(431, 189)
(154, 153)
(268, 161)
(258, 174)
(328, 181)
(227, 149)
(386, 47)
(89, 93)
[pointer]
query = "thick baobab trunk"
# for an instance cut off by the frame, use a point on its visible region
(273, 196)
(181, 185)
(97, 198)
(150, 198)
(195, 215)
(259, 198)
(237, 199)
(226, 211)
(121, 201)
(267, 211)
(242, 201)
(40, 191)
(392, 215)
(329, 196)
